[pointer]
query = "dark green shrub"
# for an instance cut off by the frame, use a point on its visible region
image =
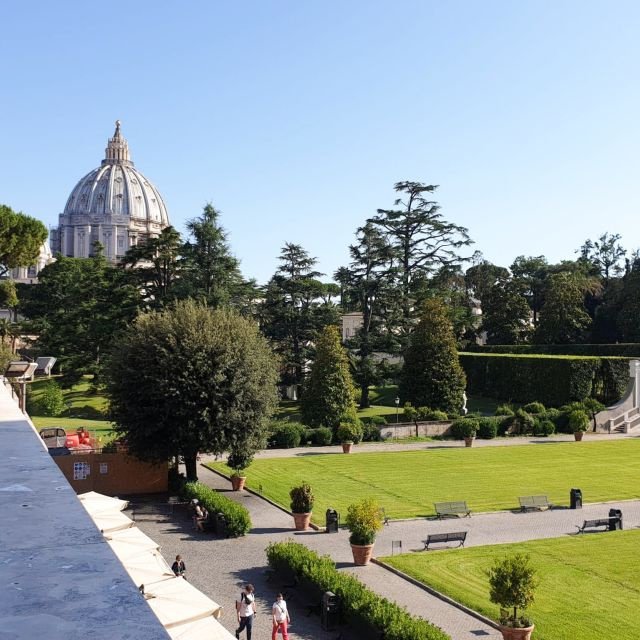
(286, 435)
(578, 421)
(464, 428)
(505, 410)
(488, 428)
(544, 428)
(424, 413)
(504, 424)
(371, 433)
(410, 413)
(236, 516)
(523, 423)
(624, 350)
(302, 499)
(377, 420)
(359, 605)
(321, 437)
(534, 408)
(349, 432)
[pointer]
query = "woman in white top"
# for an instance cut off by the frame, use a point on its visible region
(280, 618)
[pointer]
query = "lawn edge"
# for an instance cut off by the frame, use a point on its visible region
(436, 593)
(315, 527)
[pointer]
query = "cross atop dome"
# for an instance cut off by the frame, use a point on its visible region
(117, 151)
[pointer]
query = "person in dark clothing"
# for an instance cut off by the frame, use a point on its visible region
(179, 568)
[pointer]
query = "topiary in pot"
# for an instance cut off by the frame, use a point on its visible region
(349, 433)
(238, 460)
(364, 520)
(302, 500)
(512, 583)
(465, 429)
(578, 423)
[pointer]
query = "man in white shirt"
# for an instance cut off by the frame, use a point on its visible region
(246, 609)
(280, 618)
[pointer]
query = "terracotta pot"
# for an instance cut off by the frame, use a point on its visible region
(361, 554)
(468, 442)
(302, 520)
(509, 633)
(346, 447)
(237, 482)
(578, 436)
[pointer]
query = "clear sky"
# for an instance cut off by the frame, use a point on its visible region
(295, 119)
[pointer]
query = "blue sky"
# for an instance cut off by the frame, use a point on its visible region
(295, 119)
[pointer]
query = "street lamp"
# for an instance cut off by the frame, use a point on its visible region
(397, 401)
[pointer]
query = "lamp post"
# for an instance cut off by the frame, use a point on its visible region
(397, 401)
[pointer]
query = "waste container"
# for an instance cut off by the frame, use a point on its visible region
(330, 612)
(615, 519)
(575, 498)
(332, 518)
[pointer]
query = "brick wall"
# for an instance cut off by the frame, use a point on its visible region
(112, 474)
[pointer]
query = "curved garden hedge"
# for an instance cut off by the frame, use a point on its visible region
(359, 605)
(623, 350)
(237, 517)
(552, 380)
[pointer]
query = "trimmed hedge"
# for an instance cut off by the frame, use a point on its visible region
(552, 380)
(623, 350)
(360, 606)
(237, 517)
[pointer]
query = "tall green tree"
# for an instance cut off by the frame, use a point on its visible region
(431, 375)
(76, 309)
(329, 394)
(189, 379)
(369, 282)
(505, 313)
(628, 319)
(564, 319)
(423, 240)
(154, 266)
(530, 274)
(21, 238)
(606, 254)
(293, 311)
(209, 271)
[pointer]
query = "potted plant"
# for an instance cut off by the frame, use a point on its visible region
(469, 430)
(512, 584)
(348, 434)
(578, 423)
(301, 505)
(364, 520)
(238, 460)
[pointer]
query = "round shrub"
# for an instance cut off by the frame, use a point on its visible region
(371, 433)
(434, 414)
(377, 420)
(505, 410)
(544, 428)
(464, 428)
(578, 421)
(534, 408)
(523, 422)
(349, 432)
(488, 428)
(286, 435)
(423, 412)
(321, 436)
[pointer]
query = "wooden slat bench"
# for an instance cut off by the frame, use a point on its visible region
(452, 509)
(534, 502)
(594, 524)
(442, 538)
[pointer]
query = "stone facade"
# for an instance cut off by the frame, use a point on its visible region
(114, 205)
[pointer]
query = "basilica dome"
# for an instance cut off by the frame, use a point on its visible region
(113, 204)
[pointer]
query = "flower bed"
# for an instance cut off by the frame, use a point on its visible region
(360, 606)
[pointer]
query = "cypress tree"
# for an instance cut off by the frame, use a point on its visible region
(431, 375)
(329, 394)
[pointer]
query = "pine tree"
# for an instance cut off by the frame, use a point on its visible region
(329, 394)
(431, 375)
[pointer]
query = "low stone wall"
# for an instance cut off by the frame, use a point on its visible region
(408, 429)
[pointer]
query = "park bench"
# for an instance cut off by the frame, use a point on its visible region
(534, 502)
(594, 524)
(452, 509)
(442, 538)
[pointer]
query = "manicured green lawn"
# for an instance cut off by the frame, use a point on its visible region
(489, 478)
(589, 585)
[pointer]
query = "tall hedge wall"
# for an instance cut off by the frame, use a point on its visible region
(552, 380)
(624, 350)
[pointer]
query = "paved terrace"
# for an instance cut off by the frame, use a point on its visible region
(60, 580)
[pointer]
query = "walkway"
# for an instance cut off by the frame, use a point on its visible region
(392, 445)
(218, 567)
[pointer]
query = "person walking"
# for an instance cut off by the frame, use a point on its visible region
(179, 568)
(246, 610)
(281, 618)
